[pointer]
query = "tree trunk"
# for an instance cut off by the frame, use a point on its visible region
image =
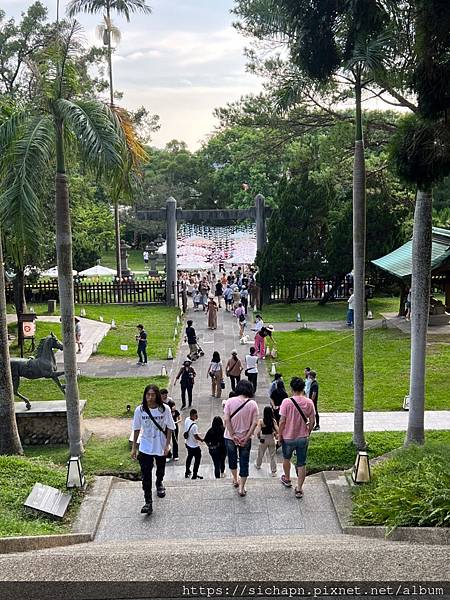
(65, 280)
(9, 436)
(420, 303)
(116, 200)
(359, 259)
(19, 299)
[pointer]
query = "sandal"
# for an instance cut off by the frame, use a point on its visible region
(243, 493)
(235, 484)
(298, 494)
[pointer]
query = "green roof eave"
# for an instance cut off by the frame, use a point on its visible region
(399, 262)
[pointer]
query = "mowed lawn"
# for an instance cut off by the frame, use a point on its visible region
(331, 311)
(135, 260)
(106, 397)
(386, 367)
(159, 321)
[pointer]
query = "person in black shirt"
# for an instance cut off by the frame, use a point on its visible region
(141, 339)
(277, 395)
(216, 445)
(176, 419)
(314, 396)
(186, 375)
(191, 339)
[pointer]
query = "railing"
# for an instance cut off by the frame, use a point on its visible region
(309, 289)
(129, 292)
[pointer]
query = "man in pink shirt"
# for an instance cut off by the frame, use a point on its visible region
(241, 418)
(296, 424)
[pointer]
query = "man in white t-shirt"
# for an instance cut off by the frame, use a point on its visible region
(192, 438)
(153, 419)
(351, 308)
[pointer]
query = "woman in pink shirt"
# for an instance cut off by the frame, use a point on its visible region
(296, 424)
(241, 418)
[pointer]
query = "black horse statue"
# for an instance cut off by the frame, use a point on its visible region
(44, 365)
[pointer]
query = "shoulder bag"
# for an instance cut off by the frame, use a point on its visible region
(186, 433)
(304, 417)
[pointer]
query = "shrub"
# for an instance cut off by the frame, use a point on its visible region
(412, 489)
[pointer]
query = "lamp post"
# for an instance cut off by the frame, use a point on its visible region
(124, 259)
(361, 468)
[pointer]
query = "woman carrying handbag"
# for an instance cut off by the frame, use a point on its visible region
(234, 369)
(267, 432)
(215, 371)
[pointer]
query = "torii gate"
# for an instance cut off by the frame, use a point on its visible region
(171, 214)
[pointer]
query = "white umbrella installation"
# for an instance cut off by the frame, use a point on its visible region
(98, 271)
(53, 272)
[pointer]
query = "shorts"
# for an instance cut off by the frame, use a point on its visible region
(300, 445)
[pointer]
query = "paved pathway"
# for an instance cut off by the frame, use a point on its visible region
(325, 325)
(401, 323)
(92, 332)
(214, 508)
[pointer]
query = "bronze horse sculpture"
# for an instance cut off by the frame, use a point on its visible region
(42, 366)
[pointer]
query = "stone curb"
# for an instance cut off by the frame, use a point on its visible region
(340, 492)
(91, 509)
(84, 528)
(9, 545)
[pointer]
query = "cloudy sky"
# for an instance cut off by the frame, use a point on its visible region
(180, 62)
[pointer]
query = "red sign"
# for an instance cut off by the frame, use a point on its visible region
(28, 329)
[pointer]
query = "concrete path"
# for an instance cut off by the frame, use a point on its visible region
(92, 332)
(401, 323)
(101, 366)
(206, 510)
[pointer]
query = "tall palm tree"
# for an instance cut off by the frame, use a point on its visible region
(34, 143)
(110, 33)
(9, 436)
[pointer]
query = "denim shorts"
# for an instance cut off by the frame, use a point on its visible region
(300, 445)
(244, 456)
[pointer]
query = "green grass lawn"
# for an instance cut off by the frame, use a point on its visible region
(332, 311)
(17, 477)
(411, 489)
(386, 367)
(159, 322)
(135, 261)
(106, 397)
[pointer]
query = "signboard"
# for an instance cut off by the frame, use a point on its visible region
(48, 500)
(28, 329)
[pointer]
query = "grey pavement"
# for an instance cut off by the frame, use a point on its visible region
(206, 509)
(325, 325)
(101, 366)
(393, 320)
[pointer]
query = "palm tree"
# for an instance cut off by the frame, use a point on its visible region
(109, 33)
(9, 436)
(34, 143)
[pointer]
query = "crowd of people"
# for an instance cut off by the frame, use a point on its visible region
(286, 421)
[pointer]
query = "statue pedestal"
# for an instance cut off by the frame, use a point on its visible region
(44, 423)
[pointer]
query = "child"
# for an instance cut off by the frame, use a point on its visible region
(197, 298)
(192, 444)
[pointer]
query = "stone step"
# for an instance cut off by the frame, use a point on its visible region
(266, 558)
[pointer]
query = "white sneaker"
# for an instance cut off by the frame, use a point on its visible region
(257, 466)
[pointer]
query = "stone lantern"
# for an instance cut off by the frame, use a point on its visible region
(124, 258)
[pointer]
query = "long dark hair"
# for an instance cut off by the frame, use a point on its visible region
(217, 425)
(215, 357)
(159, 401)
(268, 417)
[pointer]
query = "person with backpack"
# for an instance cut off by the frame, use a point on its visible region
(240, 314)
(296, 424)
(277, 395)
(234, 369)
(155, 419)
(267, 431)
(194, 451)
(186, 375)
(241, 418)
(190, 337)
(216, 445)
(215, 371)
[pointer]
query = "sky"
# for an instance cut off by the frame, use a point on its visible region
(180, 62)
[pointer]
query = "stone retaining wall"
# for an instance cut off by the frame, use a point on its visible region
(44, 424)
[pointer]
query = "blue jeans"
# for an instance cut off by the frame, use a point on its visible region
(350, 316)
(300, 445)
(244, 456)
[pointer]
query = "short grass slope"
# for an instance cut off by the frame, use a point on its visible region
(106, 397)
(412, 489)
(386, 357)
(17, 477)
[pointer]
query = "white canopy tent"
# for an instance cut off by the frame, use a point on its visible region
(98, 271)
(53, 272)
